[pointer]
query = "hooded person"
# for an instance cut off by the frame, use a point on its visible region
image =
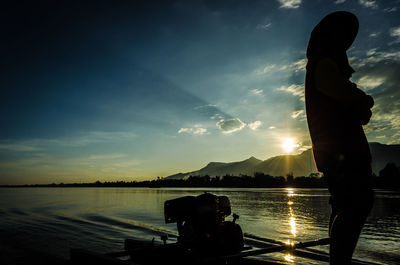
(336, 111)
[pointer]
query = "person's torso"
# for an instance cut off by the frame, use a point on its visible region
(335, 131)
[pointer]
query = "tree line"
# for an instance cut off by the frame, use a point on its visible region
(388, 178)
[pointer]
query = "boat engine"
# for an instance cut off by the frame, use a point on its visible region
(202, 226)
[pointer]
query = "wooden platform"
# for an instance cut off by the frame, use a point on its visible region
(84, 257)
(140, 252)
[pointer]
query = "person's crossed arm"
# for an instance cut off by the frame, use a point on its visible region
(331, 82)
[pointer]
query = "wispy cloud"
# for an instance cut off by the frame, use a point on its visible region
(296, 66)
(386, 112)
(18, 147)
(386, 121)
(295, 90)
(390, 9)
(216, 117)
(370, 82)
(290, 3)
(368, 3)
(258, 92)
(371, 52)
(395, 33)
(264, 26)
(230, 126)
(375, 57)
(21, 163)
(265, 69)
(255, 125)
(373, 34)
(298, 113)
(205, 106)
(95, 137)
(211, 111)
(113, 164)
(105, 156)
(195, 131)
(339, 1)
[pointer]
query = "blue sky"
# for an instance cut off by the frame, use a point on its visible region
(136, 90)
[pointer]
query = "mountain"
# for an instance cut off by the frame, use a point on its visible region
(383, 154)
(245, 167)
(300, 165)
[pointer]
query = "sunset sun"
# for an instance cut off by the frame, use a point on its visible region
(288, 144)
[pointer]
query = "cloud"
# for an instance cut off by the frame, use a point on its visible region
(216, 117)
(211, 111)
(95, 137)
(196, 131)
(386, 112)
(96, 164)
(339, 1)
(395, 33)
(374, 34)
(371, 52)
(21, 163)
(265, 69)
(205, 106)
(18, 147)
(258, 92)
(297, 66)
(295, 90)
(370, 82)
(230, 126)
(386, 122)
(297, 113)
(106, 156)
(375, 58)
(368, 3)
(290, 3)
(390, 9)
(271, 127)
(254, 125)
(264, 26)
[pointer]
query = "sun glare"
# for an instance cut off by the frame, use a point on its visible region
(289, 145)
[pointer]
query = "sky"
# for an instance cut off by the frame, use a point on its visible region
(133, 90)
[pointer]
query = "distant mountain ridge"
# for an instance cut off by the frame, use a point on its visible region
(300, 165)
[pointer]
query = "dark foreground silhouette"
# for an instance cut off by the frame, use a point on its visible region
(336, 110)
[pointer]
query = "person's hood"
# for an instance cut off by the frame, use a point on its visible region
(332, 37)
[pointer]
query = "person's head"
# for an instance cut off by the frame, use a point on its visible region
(333, 35)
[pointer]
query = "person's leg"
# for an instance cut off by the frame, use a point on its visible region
(350, 208)
(344, 233)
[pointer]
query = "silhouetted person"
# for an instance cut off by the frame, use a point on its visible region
(336, 111)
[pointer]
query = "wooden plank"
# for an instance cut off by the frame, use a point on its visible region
(258, 261)
(85, 257)
(304, 253)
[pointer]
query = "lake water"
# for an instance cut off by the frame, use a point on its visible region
(42, 224)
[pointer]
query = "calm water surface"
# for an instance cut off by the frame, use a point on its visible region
(47, 222)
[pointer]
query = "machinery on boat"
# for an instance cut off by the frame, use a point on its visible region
(204, 237)
(202, 226)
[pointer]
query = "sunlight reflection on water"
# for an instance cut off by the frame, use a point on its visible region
(292, 223)
(101, 218)
(289, 258)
